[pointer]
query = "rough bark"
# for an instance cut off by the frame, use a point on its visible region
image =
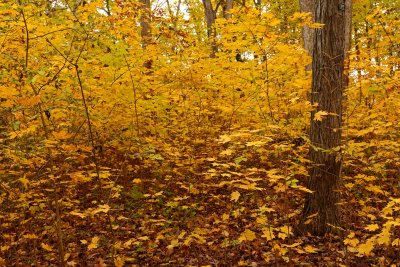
(347, 39)
(145, 22)
(321, 213)
(307, 6)
(145, 33)
(227, 9)
(210, 19)
(348, 25)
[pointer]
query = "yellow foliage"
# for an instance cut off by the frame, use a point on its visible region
(247, 235)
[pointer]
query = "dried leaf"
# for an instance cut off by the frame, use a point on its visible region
(235, 196)
(247, 235)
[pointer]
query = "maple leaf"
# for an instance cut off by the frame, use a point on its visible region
(351, 240)
(310, 249)
(224, 139)
(46, 247)
(62, 135)
(137, 181)
(375, 189)
(247, 235)
(24, 181)
(366, 248)
(265, 209)
(30, 236)
(119, 261)
(94, 243)
(79, 177)
(268, 233)
(235, 196)
(101, 208)
(372, 227)
(227, 152)
(79, 214)
(302, 188)
(261, 220)
(320, 115)
(255, 143)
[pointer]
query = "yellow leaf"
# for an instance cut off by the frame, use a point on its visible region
(235, 196)
(46, 247)
(170, 247)
(255, 143)
(101, 208)
(247, 235)
(119, 261)
(268, 233)
(128, 243)
(351, 240)
(319, 116)
(261, 220)
(226, 152)
(384, 237)
(366, 248)
(372, 227)
(31, 236)
(282, 235)
(12, 135)
(81, 215)
(265, 209)
(302, 188)
(79, 177)
(29, 101)
(62, 135)
(94, 243)
(310, 249)
(292, 245)
(285, 231)
(375, 189)
(24, 182)
(4, 248)
(224, 139)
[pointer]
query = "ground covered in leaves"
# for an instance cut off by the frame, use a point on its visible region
(230, 201)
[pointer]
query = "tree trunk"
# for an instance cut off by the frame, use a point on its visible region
(308, 7)
(145, 33)
(307, 33)
(210, 18)
(348, 25)
(321, 211)
(347, 39)
(145, 22)
(227, 9)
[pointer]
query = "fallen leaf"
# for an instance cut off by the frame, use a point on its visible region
(372, 227)
(235, 196)
(247, 235)
(46, 247)
(94, 243)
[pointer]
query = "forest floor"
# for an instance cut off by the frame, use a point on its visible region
(233, 201)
